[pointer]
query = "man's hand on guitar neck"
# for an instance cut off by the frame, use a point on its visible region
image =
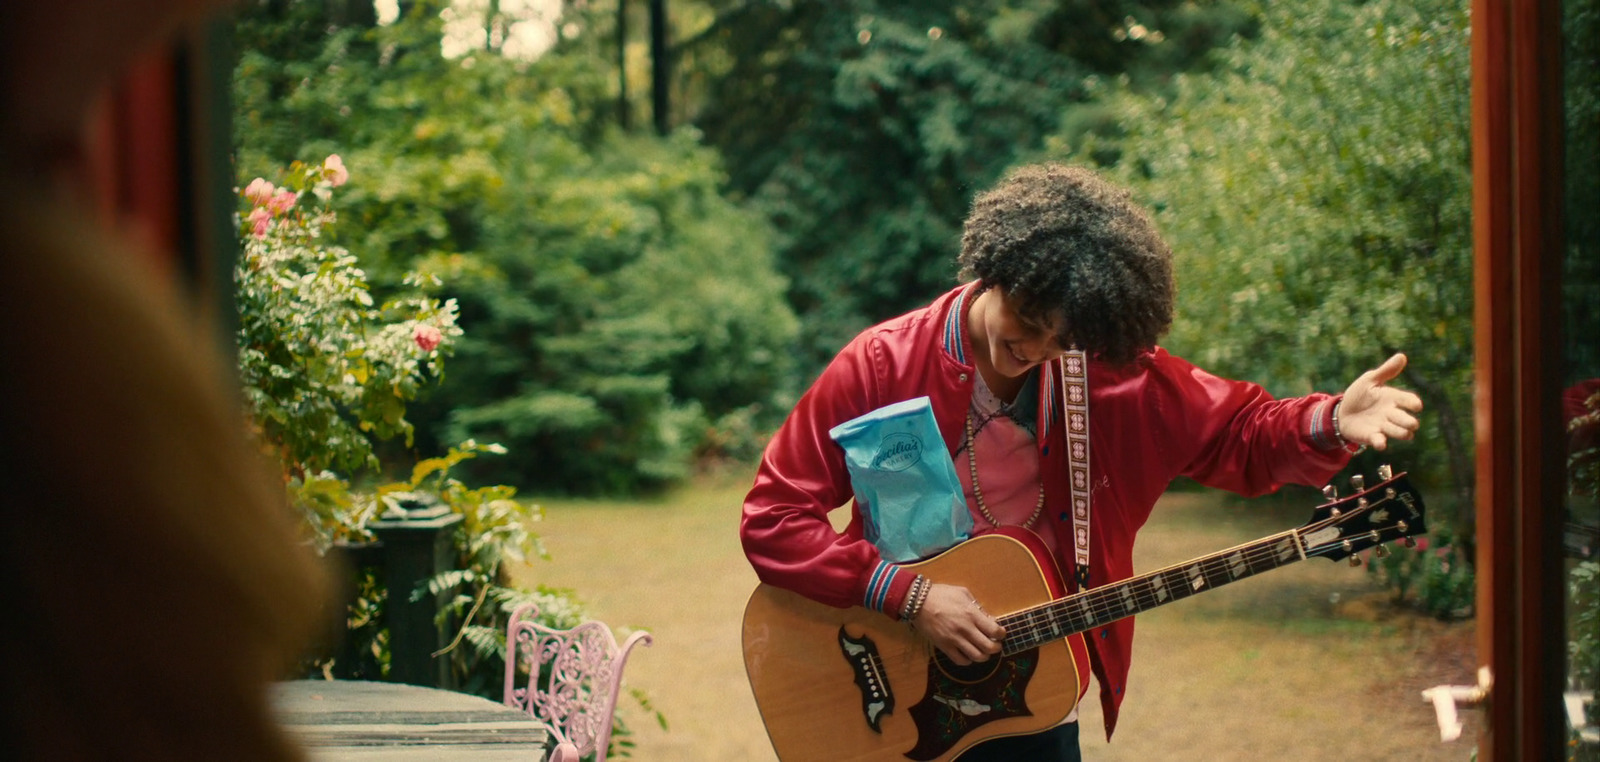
(952, 619)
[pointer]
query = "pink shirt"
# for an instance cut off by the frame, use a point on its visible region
(1008, 467)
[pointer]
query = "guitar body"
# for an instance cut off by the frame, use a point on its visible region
(853, 684)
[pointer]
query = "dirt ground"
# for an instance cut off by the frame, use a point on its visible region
(1309, 662)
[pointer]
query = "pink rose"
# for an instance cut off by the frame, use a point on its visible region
(1422, 543)
(259, 191)
(333, 169)
(283, 201)
(427, 337)
(258, 222)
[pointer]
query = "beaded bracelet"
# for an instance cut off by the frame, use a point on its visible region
(915, 596)
(909, 608)
(922, 597)
(911, 595)
(1340, 435)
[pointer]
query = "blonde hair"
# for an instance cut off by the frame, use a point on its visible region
(151, 574)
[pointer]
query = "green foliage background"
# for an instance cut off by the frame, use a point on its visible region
(1316, 187)
(632, 301)
(862, 128)
(617, 307)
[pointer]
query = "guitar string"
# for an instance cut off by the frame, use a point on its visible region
(1103, 600)
(1112, 599)
(1082, 612)
(1109, 604)
(1119, 601)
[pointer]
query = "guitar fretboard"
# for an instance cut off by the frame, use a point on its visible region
(1084, 611)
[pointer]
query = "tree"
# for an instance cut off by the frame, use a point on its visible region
(861, 129)
(617, 308)
(1317, 191)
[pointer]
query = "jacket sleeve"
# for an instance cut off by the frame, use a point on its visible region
(1243, 439)
(785, 529)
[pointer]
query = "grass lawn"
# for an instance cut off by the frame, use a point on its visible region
(1305, 663)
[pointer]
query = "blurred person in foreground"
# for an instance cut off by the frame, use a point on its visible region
(153, 579)
(1054, 259)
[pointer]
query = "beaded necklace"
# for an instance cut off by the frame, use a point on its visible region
(977, 492)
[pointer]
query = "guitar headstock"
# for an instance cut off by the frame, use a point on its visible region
(1344, 526)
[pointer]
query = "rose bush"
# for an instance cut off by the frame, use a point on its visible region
(326, 373)
(324, 369)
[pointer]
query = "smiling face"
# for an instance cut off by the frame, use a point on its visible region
(1012, 344)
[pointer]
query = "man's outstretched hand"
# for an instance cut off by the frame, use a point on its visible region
(1372, 412)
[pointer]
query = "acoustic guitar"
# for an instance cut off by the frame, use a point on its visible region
(838, 684)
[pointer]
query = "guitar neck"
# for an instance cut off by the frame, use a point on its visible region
(1083, 611)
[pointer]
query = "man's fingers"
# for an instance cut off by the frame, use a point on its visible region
(984, 637)
(991, 629)
(965, 651)
(1389, 370)
(1394, 431)
(1405, 421)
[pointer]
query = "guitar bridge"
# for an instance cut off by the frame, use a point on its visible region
(877, 699)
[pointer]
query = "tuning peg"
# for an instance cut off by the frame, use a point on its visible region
(1358, 482)
(1410, 542)
(1385, 473)
(1330, 492)
(1382, 551)
(1355, 560)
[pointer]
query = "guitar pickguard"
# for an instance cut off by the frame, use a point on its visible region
(961, 699)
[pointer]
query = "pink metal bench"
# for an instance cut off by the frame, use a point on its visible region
(573, 679)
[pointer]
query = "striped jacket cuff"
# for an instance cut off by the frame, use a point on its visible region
(1321, 432)
(886, 588)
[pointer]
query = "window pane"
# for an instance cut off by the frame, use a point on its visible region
(1581, 396)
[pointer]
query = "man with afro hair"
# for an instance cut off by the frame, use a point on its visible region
(1062, 416)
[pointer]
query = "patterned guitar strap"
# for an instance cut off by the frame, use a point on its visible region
(1075, 403)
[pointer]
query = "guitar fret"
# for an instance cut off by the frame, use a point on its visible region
(1104, 605)
(1285, 550)
(1085, 612)
(1217, 573)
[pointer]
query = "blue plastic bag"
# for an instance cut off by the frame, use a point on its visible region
(904, 481)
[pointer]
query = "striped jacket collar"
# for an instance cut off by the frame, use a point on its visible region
(955, 345)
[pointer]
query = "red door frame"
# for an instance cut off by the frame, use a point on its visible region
(158, 165)
(1517, 128)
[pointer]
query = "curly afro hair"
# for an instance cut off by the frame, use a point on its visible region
(1061, 242)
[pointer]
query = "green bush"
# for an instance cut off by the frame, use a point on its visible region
(326, 374)
(1435, 576)
(1316, 188)
(614, 300)
(323, 369)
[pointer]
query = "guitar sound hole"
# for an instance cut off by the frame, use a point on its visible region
(970, 674)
